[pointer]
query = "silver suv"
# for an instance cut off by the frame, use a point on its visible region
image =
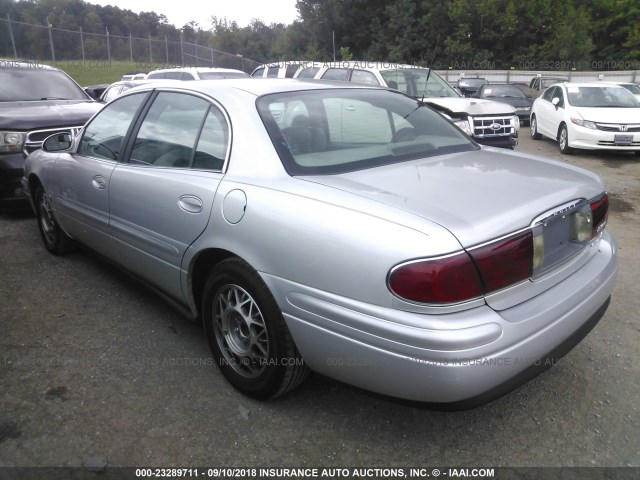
(488, 122)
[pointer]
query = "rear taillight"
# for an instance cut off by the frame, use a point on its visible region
(448, 279)
(464, 276)
(599, 212)
(505, 261)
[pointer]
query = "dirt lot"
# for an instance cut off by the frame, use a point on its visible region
(95, 368)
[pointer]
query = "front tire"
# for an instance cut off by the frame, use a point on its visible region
(247, 333)
(534, 128)
(563, 141)
(55, 240)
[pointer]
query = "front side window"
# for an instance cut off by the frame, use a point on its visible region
(103, 137)
(549, 94)
(168, 134)
(339, 130)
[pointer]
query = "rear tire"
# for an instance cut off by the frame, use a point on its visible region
(534, 129)
(247, 333)
(55, 240)
(563, 141)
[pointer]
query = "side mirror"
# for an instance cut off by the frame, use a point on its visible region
(555, 101)
(57, 142)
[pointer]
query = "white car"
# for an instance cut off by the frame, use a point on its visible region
(590, 116)
(196, 73)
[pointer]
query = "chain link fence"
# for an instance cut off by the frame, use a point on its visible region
(28, 41)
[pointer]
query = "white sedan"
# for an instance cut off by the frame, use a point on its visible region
(590, 116)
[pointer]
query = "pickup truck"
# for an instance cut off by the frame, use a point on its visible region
(540, 84)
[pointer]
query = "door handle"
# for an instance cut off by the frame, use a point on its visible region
(99, 182)
(190, 203)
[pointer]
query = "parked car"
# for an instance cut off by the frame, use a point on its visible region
(539, 84)
(35, 101)
(134, 76)
(195, 73)
(356, 233)
(279, 69)
(118, 88)
(469, 86)
(487, 122)
(509, 94)
(590, 116)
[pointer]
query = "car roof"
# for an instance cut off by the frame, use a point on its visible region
(196, 69)
(256, 86)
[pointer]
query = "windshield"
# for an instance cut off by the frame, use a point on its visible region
(502, 91)
(22, 83)
(601, 96)
(412, 81)
(341, 130)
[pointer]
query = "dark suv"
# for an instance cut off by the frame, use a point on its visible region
(35, 101)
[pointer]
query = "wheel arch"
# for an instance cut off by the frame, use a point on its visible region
(199, 271)
(562, 124)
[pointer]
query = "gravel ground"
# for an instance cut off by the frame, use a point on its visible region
(96, 370)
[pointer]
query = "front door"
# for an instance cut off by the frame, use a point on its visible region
(81, 192)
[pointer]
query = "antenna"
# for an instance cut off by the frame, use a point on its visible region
(433, 57)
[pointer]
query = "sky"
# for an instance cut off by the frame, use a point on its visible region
(180, 12)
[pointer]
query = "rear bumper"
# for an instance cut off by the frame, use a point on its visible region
(456, 360)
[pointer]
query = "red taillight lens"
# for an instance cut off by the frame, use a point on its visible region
(505, 261)
(461, 277)
(442, 280)
(599, 211)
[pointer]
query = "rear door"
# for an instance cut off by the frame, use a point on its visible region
(161, 198)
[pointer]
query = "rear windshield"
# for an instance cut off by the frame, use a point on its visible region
(24, 83)
(340, 130)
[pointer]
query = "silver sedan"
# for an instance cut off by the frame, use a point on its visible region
(341, 229)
